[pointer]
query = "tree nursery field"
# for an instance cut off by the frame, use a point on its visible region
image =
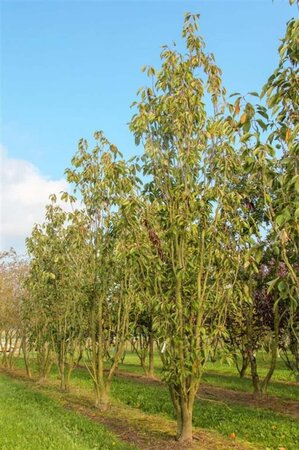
(158, 305)
(141, 414)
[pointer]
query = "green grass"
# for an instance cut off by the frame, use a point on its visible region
(226, 376)
(254, 425)
(32, 421)
(277, 389)
(258, 426)
(281, 373)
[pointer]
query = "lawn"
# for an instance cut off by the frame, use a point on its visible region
(258, 426)
(255, 425)
(32, 421)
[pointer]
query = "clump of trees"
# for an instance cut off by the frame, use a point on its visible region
(192, 247)
(13, 271)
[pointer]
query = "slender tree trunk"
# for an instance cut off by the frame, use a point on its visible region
(26, 357)
(44, 361)
(245, 362)
(151, 367)
(257, 390)
(13, 343)
(274, 350)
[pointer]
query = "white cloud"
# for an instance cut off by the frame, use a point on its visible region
(24, 194)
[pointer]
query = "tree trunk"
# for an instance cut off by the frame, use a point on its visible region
(257, 390)
(151, 367)
(274, 350)
(184, 412)
(44, 361)
(26, 357)
(184, 422)
(102, 396)
(245, 362)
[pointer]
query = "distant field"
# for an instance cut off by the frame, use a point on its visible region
(32, 421)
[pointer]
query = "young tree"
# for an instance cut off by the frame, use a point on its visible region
(189, 214)
(56, 288)
(106, 186)
(12, 272)
(274, 202)
(282, 94)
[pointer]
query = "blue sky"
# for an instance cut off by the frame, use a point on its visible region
(72, 67)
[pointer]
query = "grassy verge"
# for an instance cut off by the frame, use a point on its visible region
(32, 421)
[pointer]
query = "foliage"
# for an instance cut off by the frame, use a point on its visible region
(201, 255)
(55, 312)
(12, 272)
(106, 186)
(191, 212)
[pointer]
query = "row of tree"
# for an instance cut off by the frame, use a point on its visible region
(193, 245)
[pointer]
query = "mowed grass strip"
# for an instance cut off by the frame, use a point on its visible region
(32, 421)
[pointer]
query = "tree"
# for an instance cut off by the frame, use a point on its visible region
(12, 272)
(270, 154)
(106, 186)
(282, 94)
(57, 304)
(189, 213)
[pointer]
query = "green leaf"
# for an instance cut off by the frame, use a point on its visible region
(282, 286)
(262, 124)
(284, 217)
(272, 284)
